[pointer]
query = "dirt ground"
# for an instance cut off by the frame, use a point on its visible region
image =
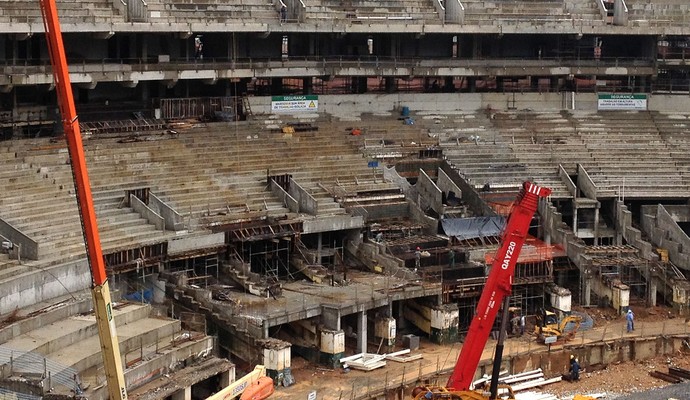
(625, 377)
(614, 379)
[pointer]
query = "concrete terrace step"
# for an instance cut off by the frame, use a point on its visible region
(45, 313)
(73, 330)
(172, 355)
(87, 352)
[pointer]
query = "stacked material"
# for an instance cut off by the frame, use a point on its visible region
(369, 362)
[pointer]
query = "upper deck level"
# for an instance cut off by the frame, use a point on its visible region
(668, 17)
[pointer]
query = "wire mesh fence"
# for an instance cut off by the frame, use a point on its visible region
(46, 372)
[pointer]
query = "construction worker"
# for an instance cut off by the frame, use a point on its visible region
(522, 324)
(451, 258)
(574, 370)
(630, 318)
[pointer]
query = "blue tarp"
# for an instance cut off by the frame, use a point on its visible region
(470, 228)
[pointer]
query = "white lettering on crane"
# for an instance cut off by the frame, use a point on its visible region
(508, 256)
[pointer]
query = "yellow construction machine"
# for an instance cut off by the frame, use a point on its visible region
(550, 330)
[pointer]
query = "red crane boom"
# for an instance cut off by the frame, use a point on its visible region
(498, 285)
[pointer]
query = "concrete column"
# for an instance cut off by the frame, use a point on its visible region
(144, 48)
(277, 360)
(448, 84)
(547, 234)
(183, 394)
(588, 292)
(652, 291)
(277, 85)
(307, 85)
(401, 322)
(265, 333)
(561, 279)
(472, 84)
(385, 328)
(319, 246)
(226, 378)
(330, 318)
(444, 323)
(332, 348)
(362, 332)
(145, 90)
(158, 289)
(554, 83)
(359, 84)
(596, 226)
(390, 84)
(574, 219)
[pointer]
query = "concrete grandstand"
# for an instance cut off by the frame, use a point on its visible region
(261, 181)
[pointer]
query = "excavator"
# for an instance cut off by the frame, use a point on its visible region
(494, 296)
(254, 386)
(551, 330)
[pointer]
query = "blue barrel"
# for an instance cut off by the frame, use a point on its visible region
(405, 111)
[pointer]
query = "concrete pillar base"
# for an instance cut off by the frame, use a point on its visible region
(330, 360)
(444, 324)
(444, 336)
(183, 394)
(281, 377)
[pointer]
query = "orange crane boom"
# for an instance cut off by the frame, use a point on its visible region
(100, 289)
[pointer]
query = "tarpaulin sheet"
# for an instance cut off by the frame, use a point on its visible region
(469, 228)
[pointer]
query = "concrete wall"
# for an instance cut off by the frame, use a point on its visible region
(585, 183)
(41, 285)
(565, 178)
(559, 233)
(329, 223)
(554, 362)
(146, 212)
(660, 224)
(307, 202)
(429, 224)
(346, 105)
(428, 190)
(384, 211)
(631, 234)
(447, 185)
(188, 243)
(28, 247)
(285, 197)
(469, 195)
(173, 220)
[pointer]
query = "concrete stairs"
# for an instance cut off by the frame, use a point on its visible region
(64, 331)
(659, 12)
(630, 156)
(242, 328)
(240, 273)
(480, 12)
(218, 11)
(365, 10)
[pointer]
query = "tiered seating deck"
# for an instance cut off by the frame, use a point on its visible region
(70, 11)
(388, 11)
